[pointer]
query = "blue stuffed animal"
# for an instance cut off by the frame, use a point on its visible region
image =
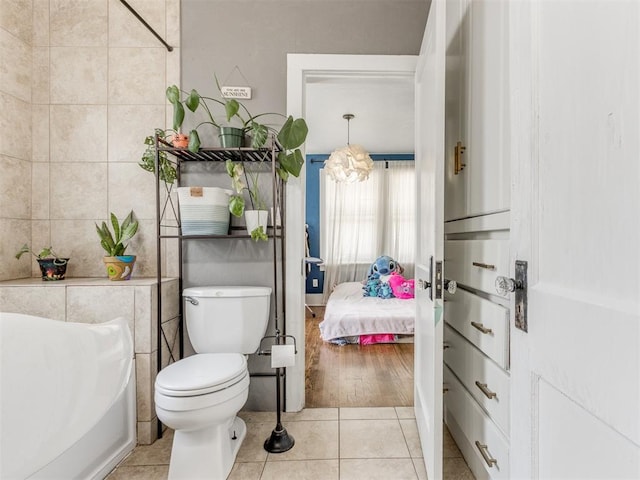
(384, 265)
(376, 284)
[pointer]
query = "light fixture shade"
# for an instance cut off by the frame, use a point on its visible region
(349, 164)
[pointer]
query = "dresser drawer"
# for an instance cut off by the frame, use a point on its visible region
(486, 381)
(476, 263)
(482, 322)
(477, 429)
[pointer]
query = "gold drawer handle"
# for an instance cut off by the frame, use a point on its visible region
(481, 327)
(487, 266)
(483, 387)
(487, 458)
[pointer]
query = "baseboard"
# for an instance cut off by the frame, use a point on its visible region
(314, 299)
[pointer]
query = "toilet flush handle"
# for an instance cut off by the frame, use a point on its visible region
(191, 300)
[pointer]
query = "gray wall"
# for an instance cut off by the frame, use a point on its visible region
(256, 36)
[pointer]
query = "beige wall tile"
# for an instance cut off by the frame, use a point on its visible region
(42, 301)
(78, 133)
(171, 298)
(170, 329)
(131, 187)
(15, 67)
(15, 125)
(41, 238)
(14, 234)
(40, 190)
(78, 239)
(79, 23)
(147, 433)
(173, 75)
(78, 75)
(40, 78)
(144, 387)
(15, 187)
(12, 18)
(41, 23)
(81, 192)
(40, 133)
(128, 127)
(99, 304)
(143, 245)
(137, 76)
(173, 23)
(146, 318)
(127, 31)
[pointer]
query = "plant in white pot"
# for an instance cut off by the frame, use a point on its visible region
(257, 216)
(119, 266)
(52, 265)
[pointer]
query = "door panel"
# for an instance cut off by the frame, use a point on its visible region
(576, 373)
(430, 185)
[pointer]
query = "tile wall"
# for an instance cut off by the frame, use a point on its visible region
(81, 84)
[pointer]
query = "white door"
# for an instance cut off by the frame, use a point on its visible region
(429, 134)
(575, 218)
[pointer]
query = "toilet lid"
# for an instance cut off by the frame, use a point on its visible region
(201, 373)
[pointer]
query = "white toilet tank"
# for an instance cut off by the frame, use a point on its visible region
(226, 319)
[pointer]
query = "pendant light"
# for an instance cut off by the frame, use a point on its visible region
(349, 164)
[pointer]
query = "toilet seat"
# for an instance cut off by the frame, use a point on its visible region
(201, 374)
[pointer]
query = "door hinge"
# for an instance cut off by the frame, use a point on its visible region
(458, 165)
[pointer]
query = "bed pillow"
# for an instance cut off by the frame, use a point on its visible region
(401, 287)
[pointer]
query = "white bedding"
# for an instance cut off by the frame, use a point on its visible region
(348, 313)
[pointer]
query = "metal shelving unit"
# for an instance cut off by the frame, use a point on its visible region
(168, 227)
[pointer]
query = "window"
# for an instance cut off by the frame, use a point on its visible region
(361, 221)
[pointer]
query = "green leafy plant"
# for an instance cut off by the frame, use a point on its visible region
(290, 136)
(167, 170)
(46, 252)
(115, 243)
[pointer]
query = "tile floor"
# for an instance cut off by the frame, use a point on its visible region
(331, 444)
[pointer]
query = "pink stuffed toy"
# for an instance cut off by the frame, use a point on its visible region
(401, 287)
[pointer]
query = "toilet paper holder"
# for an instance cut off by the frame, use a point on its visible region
(278, 341)
(280, 440)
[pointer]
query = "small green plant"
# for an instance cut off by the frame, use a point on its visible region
(167, 170)
(116, 243)
(46, 252)
(237, 205)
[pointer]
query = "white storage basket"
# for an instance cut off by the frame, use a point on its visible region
(204, 210)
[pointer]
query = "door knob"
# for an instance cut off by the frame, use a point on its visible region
(505, 285)
(451, 286)
(423, 284)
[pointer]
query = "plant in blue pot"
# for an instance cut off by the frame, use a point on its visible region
(119, 266)
(52, 265)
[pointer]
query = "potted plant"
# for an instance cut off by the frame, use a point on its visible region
(52, 265)
(290, 136)
(256, 218)
(119, 266)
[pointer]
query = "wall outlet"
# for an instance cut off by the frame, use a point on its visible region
(314, 282)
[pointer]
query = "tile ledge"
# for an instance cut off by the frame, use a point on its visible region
(83, 281)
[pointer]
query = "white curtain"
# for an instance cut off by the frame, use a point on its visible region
(361, 221)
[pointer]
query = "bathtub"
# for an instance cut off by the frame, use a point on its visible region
(67, 397)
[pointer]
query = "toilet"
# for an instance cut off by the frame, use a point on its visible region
(200, 396)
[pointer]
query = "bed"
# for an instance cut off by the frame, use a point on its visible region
(349, 316)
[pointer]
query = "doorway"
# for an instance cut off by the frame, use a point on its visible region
(308, 74)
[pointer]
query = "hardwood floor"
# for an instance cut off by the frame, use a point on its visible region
(356, 376)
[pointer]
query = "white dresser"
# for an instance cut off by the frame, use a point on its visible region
(476, 343)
